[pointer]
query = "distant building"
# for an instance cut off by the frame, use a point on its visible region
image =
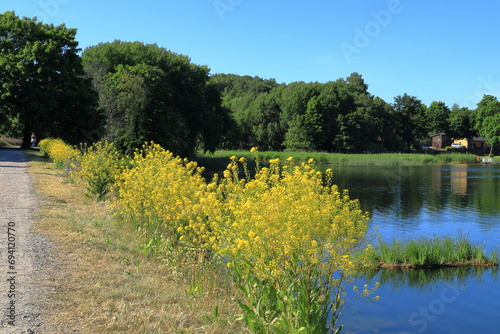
(441, 140)
(476, 143)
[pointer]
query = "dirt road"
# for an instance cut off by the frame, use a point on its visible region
(24, 255)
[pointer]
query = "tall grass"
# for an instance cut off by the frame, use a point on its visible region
(430, 252)
(381, 159)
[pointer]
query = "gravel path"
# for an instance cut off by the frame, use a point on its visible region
(25, 255)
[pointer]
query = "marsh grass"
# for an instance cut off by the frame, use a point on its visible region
(105, 283)
(429, 252)
(219, 159)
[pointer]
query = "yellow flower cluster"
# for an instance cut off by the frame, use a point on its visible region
(167, 197)
(286, 232)
(58, 151)
(99, 168)
(286, 217)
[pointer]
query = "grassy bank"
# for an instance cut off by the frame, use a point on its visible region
(428, 252)
(7, 142)
(222, 157)
(106, 284)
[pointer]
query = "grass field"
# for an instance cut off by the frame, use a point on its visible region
(107, 284)
(221, 157)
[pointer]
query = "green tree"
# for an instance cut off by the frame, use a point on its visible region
(461, 123)
(263, 120)
(238, 93)
(411, 120)
(487, 120)
(338, 115)
(42, 80)
(152, 94)
(298, 137)
(437, 115)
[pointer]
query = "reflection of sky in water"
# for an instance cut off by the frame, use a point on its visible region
(441, 307)
(428, 201)
(448, 222)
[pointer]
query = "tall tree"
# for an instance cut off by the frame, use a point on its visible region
(437, 118)
(487, 120)
(411, 120)
(152, 94)
(461, 123)
(42, 80)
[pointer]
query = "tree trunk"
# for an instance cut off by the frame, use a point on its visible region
(26, 137)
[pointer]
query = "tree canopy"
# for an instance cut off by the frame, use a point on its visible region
(41, 75)
(152, 94)
(437, 115)
(131, 92)
(487, 119)
(338, 115)
(410, 115)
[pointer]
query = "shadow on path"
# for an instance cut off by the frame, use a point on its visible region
(12, 155)
(17, 155)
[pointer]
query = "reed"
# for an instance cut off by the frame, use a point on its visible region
(382, 159)
(428, 252)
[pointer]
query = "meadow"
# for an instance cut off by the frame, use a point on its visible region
(108, 282)
(8, 142)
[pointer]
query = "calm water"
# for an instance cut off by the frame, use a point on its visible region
(428, 200)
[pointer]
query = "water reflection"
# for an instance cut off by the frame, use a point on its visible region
(447, 300)
(411, 201)
(405, 189)
(418, 199)
(427, 279)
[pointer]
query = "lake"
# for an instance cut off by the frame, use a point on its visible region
(414, 201)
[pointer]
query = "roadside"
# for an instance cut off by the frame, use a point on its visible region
(84, 273)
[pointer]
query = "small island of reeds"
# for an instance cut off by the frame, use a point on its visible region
(422, 252)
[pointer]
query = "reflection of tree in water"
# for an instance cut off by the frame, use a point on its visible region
(403, 191)
(388, 189)
(427, 279)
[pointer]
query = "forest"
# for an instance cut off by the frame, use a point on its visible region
(130, 92)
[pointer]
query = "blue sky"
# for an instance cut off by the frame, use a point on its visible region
(435, 50)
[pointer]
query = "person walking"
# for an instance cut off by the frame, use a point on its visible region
(33, 140)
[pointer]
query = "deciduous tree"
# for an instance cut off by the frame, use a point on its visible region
(487, 120)
(152, 94)
(411, 120)
(437, 115)
(42, 81)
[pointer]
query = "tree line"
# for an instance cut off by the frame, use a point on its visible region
(131, 92)
(342, 116)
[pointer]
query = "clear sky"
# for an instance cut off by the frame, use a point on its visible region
(435, 50)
